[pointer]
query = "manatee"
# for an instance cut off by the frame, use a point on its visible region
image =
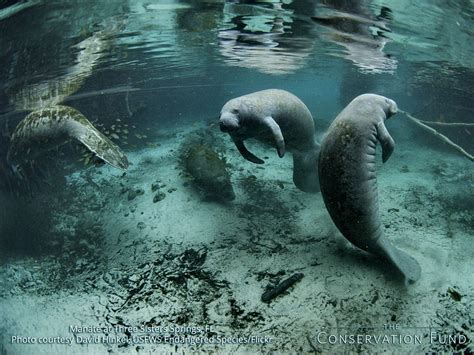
(47, 128)
(279, 119)
(348, 179)
(209, 172)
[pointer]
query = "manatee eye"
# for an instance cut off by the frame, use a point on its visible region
(235, 111)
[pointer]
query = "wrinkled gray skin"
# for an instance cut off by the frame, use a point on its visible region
(279, 119)
(48, 128)
(348, 178)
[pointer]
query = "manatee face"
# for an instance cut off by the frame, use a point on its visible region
(229, 121)
(104, 148)
(224, 191)
(391, 108)
(116, 158)
(388, 106)
(231, 115)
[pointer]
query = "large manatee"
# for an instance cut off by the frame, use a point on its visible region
(46, 128)
(348, 178)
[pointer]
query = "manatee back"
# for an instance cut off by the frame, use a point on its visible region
(38, 132)
(51, 127)
(290, 113)
(209, 172)
(348, 181)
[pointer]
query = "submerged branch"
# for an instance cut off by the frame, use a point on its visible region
(439, 135)
(453, 124)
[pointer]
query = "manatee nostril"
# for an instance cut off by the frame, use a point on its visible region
(223, 127)
(394, 108)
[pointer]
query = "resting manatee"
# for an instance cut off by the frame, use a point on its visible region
(277, 118)
(47, 128)
(209, 172)
(348, 178)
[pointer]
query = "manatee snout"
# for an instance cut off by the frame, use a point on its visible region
(392, 107)
(122, 162)
(223, 189)
(224, 128)
(227, 193)
(228, 122)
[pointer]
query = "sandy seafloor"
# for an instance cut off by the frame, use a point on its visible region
(190, 261)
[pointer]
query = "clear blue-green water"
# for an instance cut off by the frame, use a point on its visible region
(93, 245)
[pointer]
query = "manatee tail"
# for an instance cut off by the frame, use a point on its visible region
(404, 263)
(305, 170)
(94, 140)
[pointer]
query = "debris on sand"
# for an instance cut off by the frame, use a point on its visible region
(274, 292)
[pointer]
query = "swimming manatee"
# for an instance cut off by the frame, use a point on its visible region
(47, 128)
(348, 178)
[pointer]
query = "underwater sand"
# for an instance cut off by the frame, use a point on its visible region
(188, 261)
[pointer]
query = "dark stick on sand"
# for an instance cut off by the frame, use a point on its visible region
(281, 287)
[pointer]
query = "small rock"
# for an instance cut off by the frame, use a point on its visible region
(172, 189)
(141, 225)
(124, 233)
(155, 186)
(134, 193)
(455, 295)
(158, 197)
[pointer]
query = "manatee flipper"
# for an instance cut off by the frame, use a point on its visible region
(245, 152)
(386, 141)
(276, 131)
(407, 265)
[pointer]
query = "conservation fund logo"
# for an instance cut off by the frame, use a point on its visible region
(392, 333)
